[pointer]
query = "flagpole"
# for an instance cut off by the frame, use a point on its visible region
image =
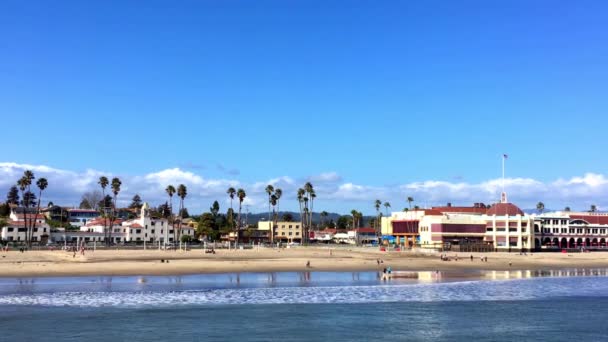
(503, 173)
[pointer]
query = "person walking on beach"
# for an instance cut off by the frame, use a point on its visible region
(471, 257)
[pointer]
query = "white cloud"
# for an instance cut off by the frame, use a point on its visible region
(66, 187)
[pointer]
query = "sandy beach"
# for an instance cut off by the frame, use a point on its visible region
(131, 262)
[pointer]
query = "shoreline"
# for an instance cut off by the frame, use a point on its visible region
(148, 263)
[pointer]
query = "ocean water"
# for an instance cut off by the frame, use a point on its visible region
(323, 306)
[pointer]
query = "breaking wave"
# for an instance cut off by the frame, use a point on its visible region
(482, 290)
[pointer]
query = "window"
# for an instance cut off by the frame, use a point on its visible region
(151, 223)
(10, 229)
(564, 230)
(500, 229)
(171, 231)
(152, 231)
(20, 229)
(283, 226)
(512, 229)
(290, 233)
(35, 229)
(602, 231)
(489, 229)
(594, 231)
(571, 230)
(579, 231)
(555, 230)
(297, 233)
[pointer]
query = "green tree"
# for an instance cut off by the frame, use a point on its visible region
(593, 208)
(206, 226)
(215, 208)
(136, 202)
(540, 207)
(185, 238)
(183, 213)
(377, 205)
(12, 197)
(567, 209)
(287, 217)
(344, 222)
(5, 210)
(323, 217)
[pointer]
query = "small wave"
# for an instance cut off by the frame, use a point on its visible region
(435, 292)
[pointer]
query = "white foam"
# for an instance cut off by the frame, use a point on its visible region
(537, 288)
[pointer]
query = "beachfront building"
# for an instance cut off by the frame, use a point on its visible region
(18, 223)
(571, 230)
(501, 227)
(283, 231)
(144, 228)
(80, 217)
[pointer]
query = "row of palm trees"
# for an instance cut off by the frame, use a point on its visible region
(27, 201)
(241, 195)
(111, 212)
(182, 192)
(540, 207)
(274, 197)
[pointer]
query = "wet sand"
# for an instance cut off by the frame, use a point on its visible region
(148, 262)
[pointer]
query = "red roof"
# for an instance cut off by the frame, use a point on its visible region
(464, 210)
(501, 209)
(30, 216)
(327, 231)
(136, 225)
(591, 218)
(365, 230)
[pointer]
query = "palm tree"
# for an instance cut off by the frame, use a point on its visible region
(42, 183)
(540, 207)
(28, 177)
(182, 192)
(377, 205)
(231, 193)
(410, 199)
(278, 193)
(116, 183)
(269, 190)
(310, 192)
(300, 197)
(387, 205)
(240, 194)
(323, 216)
(593, 208)
(103, 182)
(567, 209)
(354, 215)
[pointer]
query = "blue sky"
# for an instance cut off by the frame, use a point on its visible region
(369, 98)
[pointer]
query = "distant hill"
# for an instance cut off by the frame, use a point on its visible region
(316, 217)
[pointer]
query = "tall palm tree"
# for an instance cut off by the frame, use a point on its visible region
(28, 176)
(116, 183)
(593, 208)
(231, 193)
(278, 192)
(354, 215)
(310, 196)
(240, 194)
(170, 190)
(103, 182)
(323, 216)
(42, 184)
(567, 209)
(410, 199)
(377, 205)
(182, 192)
(269, 190)
(387, 205)
(300, 197)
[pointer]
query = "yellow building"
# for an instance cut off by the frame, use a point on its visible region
(283, 231)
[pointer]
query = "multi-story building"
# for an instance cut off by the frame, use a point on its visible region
(19, 222)
(80, 217)
(571, 230)
(283, 231)
(144, 228)
(503, 226)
